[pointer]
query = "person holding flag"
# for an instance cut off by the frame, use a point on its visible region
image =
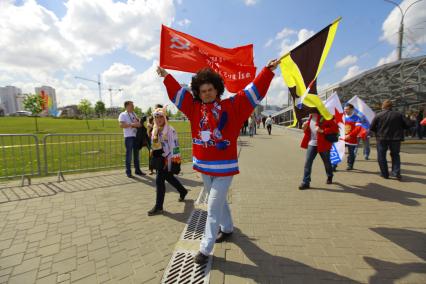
(352, 130)
(215, 126)
(318, 140)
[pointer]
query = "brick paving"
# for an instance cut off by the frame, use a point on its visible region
(361, 229)
(93, 227)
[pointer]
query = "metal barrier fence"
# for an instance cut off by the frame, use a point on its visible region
(19, 157)
(64, 153)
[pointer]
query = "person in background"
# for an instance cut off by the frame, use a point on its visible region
(251, 125)
(314, 140)
(268, 123)
(130, 122)
(149, 127)
(389, 125)
(263, 121)
(142, 138)
(419, 126)
(165, 146)
(352, 129)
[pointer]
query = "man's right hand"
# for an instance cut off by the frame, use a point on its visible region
(161, 72)
(305, 125)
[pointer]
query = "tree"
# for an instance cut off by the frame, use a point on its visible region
(178, 114)
(100, 110)
(34, 104)
(169, 113)
(149, 111)
(85, 107)
(138, 111)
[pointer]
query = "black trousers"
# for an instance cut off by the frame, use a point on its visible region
(162, 176)
(382, 148)
(269, 127)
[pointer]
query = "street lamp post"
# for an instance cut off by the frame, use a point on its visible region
(110, 94)
(94, 81)
(401, 25)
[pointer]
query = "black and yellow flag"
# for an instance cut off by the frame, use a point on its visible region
(300, 68)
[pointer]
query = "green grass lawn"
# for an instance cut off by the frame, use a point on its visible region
(99, 147)
(48, 125)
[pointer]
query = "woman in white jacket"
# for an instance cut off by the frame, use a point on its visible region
(165, 147)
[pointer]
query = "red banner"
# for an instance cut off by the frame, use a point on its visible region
(179, 51)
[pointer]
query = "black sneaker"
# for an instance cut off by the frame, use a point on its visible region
(130, 176)
(182, 197)
(200, 258)
(155, 211)
(141, 173)
(329, 180)
(349, 168)
(303, 186)
(222, 236)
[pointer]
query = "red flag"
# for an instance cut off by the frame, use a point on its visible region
(179, 51)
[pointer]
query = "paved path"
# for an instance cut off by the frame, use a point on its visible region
(361, 229)
(93, 228)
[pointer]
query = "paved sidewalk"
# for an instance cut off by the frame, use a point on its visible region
(360, 229)
(92, 229)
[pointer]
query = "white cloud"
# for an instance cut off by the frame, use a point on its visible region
(346, 61)
(269, 42)
(118, 75)
(288, 43)
(393, 56)
(277, 92)
(414, 20)
(285, 33)
(184, 23)
(101, 26)
(31, 40)
(251, 2)
(352, 71)
(287, 39)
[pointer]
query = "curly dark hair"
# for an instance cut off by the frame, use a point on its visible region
(207, 76)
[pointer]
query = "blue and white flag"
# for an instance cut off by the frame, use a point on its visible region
(334, 106)
(364, 112)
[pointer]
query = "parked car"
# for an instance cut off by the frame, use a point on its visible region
(21, 113)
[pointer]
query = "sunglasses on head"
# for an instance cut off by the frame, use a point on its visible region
(158, 114)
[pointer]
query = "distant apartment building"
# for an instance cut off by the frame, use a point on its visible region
(11, 100)
(49, 95)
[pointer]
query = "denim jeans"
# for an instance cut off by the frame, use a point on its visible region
(130, 143)
(351, 155)
(311, 153)
(365, 147)
(382, 148)
(218, 212)
(162, 176)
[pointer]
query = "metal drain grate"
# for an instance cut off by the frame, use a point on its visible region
(183, 270)
(194, 230)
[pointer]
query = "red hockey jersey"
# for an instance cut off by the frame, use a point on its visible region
(208, 158)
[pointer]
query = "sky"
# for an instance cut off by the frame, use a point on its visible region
(50, 42)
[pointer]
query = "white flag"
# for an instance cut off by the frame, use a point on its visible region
(334, 106)
(363, 111)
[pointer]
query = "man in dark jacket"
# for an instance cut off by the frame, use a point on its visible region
(389, 125)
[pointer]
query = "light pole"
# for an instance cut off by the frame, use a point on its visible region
(401, 25)
(110, 94)
(94, 81)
